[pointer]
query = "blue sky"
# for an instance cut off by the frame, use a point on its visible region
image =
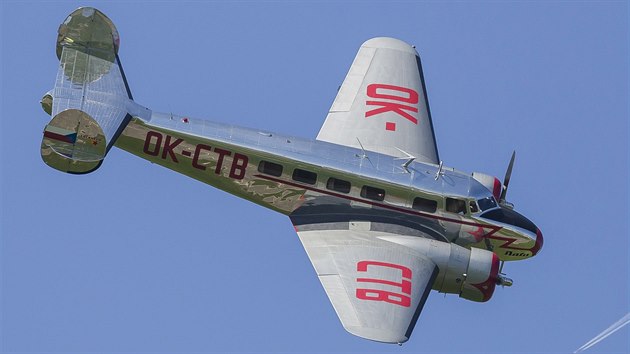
(135, 258)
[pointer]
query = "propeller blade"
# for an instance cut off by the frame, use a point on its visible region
(506, 179)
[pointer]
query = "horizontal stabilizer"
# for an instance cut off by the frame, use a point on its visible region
(90, 98)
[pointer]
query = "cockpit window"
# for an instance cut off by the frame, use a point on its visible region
(508, 216)
(455, 206)
(487, 203)
(473, 206)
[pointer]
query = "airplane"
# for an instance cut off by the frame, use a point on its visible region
(381, 218)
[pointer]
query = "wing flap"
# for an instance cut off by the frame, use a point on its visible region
(376, 287)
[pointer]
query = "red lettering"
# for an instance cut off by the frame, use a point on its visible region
(386, 296)
(195, 161)
(151, 135)
(405, 285)
(222, 153)
(239, 163)
(382, 295)
(168, 148)
(412, 96)
(408, 96)
(391, 106)
(363, 265)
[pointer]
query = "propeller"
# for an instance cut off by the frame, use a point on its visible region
(506, 179)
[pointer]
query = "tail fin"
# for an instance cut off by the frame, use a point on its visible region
(90, 100)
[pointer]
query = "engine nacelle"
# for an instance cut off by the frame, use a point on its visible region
(482, 275)
(493, 184)
(471, 273)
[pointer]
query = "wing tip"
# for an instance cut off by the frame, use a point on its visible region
(377, 334)
(390, 43)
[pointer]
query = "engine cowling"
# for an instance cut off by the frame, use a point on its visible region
(481, 276)
(471, 273)
(493, 184)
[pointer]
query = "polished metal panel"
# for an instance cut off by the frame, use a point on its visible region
(314, 207)
(385, 168)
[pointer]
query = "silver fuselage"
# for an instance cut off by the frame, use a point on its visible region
(228, 157)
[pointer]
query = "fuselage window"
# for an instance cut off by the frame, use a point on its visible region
(338, 185)
(372, 193)
(430, 206)
(455, 206)
(487, 203)
(304, 176)
(270, 168)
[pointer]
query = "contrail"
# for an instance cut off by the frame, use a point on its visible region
(608, 331)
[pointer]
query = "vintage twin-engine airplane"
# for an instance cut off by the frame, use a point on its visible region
(381, 219)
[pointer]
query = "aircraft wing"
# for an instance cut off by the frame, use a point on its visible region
(382, 103)
(377, 288)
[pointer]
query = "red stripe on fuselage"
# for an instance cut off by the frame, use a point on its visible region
(494, 228)
(507, 242)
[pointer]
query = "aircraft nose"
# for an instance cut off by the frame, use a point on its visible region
(539, 242)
